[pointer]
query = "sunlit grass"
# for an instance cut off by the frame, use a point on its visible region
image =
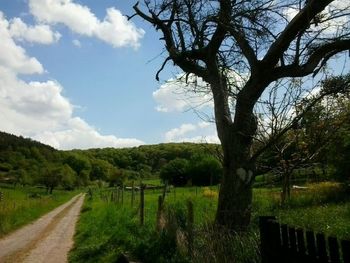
(107, 229)
(25, 204)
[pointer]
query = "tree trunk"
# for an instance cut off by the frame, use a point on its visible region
(235, 198)
(285, 195)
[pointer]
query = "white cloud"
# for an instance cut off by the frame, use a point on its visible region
(202, 132)
(176, 95)
(114, 29)
(183, 93)
(177, 132)
(81, 135)
(338, 10)
(36, 34)
(14, 57)
(204, 124)
(76, 43)
(38, 109)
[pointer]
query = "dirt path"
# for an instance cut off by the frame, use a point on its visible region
(48, 239)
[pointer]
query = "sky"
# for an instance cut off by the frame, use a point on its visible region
(78, 74)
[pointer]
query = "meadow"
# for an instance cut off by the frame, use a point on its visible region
(108, 229)
(22, 205)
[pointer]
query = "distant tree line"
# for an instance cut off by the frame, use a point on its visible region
(320, 139)
(26, 162)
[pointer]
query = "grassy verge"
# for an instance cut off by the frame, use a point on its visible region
(22, 205)
(322, 207)
(107, 229)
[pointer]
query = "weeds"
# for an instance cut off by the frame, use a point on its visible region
(107, 230)
(23, 205)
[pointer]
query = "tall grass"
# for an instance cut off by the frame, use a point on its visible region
(107, 230)
(25, 204)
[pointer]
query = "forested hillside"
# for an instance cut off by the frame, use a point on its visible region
(317, 148)
(27, 162)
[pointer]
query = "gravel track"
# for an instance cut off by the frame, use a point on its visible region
(48, 239)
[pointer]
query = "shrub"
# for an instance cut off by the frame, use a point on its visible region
(208, 193)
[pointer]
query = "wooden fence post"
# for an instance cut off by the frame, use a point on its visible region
(285, 239)
(310, 244)
(159, 213)
(190, 223)
(321, 247)
(265, 245)
(164, 191)
(122, 190)
(345, 248)
(142, 205)
(333, 250)
(276, 244)
(301, 244)
(132, 193)
(292, 240)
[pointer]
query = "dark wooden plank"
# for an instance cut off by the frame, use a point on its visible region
(301, 242)
(345, 247)
(275, 240)
(310, 244)
(285, 241)
(321, 247)
(292, 240)
(333, 250)
(266, 249)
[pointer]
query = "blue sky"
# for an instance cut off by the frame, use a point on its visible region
(76, 74)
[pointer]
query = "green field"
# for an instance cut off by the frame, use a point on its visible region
(107, 229)
(25, 204)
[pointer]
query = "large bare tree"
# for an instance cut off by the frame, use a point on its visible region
(264, 41)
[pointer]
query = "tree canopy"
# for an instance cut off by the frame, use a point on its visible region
(264, 43)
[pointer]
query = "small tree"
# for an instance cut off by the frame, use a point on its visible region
(175, 172)
(50, 176)
(116, 177)
(69, 177)
(205, 170)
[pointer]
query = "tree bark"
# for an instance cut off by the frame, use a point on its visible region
(235, 196)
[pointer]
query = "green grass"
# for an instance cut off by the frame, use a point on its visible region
(22, 205)
(323, 207)
(155, 181)
(107, 229)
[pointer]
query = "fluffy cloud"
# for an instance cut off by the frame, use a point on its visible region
(177, 95)
(14, 57)
(114, 29)
(41, 34)
(81, 135)
(177, 132)
(338, 10)
(38, 109)
(202, 132)
(76, 43)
